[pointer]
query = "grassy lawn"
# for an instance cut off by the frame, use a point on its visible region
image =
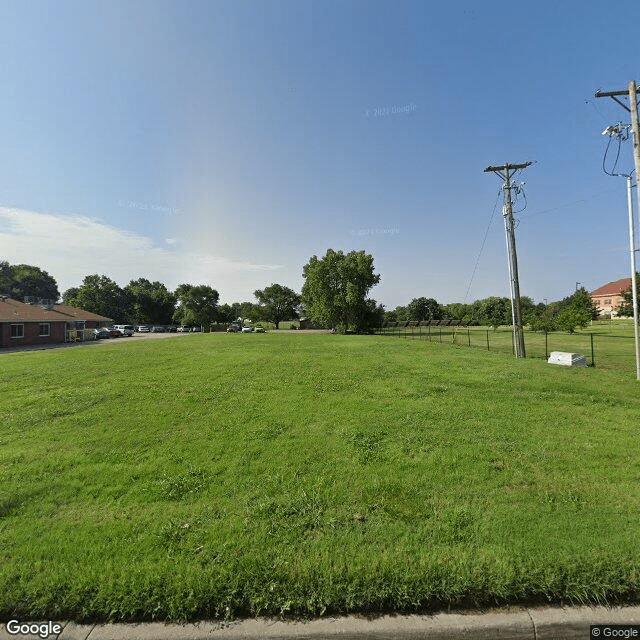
(226, 475)
(613, 346)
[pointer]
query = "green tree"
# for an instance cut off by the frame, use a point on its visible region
(583, 304)
(6, 277)
(250, 311)
(278, 303)
(335, 290)
(101, 295)
(390, 316)
(151, 302)
(424, 309)
(197, 305)
(569, 319)
(402, 313)
(625, 308)
(494, 311)
(226, 313)
(22, 280)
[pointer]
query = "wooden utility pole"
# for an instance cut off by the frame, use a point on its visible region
(506, 171)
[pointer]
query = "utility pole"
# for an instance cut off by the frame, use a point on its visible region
(632, 92)
(506, 171)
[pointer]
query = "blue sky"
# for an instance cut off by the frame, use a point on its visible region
(225, 143)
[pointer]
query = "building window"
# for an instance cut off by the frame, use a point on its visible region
(45, 329)
(17, 331)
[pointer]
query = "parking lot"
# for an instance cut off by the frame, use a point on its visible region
(97, 343)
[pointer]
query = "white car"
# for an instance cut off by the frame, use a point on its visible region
(143, 329)
(247, 329)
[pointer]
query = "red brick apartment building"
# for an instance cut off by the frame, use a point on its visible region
(24, 324)
(608, 297)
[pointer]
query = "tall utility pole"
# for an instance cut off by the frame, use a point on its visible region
(632, 92)
(506, 171)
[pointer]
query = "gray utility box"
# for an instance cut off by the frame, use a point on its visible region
(567, 359)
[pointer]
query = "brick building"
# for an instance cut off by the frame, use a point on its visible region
(608, 297)
(24, 324)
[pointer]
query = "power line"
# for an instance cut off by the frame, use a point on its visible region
(486, 233)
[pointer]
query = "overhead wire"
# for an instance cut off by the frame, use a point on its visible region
(484, 240)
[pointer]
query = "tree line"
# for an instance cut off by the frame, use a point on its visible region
(334, 295)
(576, 310)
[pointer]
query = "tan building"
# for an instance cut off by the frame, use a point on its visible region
(608, 297)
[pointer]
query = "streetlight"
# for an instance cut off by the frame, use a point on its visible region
(621, 132)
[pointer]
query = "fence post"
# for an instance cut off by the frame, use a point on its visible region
(469, 335)
(440, 334)
(593, 358)
(546, 344)
(487, 339)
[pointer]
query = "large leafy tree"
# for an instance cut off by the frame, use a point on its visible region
(278, 303)
(226, 313)
(336, 287)
(197, 305)
(101, 295)
(424, 309)
(22, 280)
(151, 302)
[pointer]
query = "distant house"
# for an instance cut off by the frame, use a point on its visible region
(307, 323)
(608, 297)
(23, 324)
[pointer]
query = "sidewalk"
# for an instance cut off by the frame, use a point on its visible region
(514, 624)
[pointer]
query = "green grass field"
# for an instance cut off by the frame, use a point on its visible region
(613, 346)
(224, 475)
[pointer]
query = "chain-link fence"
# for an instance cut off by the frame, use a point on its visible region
(607, 351)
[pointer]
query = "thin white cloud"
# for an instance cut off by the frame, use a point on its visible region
(71, 247)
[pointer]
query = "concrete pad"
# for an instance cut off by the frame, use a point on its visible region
(567, 359)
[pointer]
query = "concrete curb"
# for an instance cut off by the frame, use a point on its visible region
(521, 624)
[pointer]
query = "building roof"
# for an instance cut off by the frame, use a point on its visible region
(613, 288)
(80, 314)
(14, 311)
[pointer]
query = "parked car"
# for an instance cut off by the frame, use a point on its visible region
(100, 334)
(233, 328)
(113, 332)
(183, 329)
(172, 329)
(195, 329)
(157, 329)
(259, 330)
(247, 329)
(126, 330)
(143, 329)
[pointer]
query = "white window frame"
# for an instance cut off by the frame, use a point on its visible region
(48, 329)
(21, 331)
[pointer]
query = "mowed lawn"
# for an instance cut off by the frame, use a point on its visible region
(216, 476)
